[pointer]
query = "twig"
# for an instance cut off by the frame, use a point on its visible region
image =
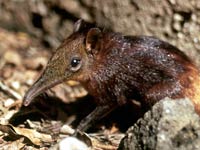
(9, 91)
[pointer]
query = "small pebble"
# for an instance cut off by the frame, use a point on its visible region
(12, 57)
(8, 102)
(29, 81)
(178, 17)
(67, 129)
(72, 143)
(15, 85)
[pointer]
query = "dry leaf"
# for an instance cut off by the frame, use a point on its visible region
(31, 136)
(15, 145)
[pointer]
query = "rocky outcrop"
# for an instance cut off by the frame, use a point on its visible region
(170, 125)
(175, 21)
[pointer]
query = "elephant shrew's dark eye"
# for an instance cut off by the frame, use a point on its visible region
(75, 63)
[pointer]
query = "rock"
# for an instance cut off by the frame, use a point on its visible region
(154, 18)
(175, 21)
(72, 143)
(170, 125)
(13, 58)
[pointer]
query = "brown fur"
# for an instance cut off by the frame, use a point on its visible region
(116, 69)
(192, 80)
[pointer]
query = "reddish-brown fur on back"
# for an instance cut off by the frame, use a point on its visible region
(191, 80)
(141, 68)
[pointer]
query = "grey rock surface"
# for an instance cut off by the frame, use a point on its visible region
(170, 125)
(175, 21)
